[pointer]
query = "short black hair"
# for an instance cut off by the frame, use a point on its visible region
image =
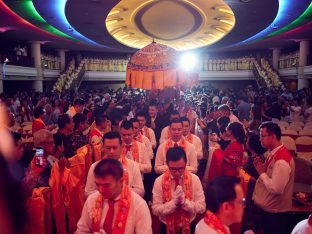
(112, 135)
(126, 125)
(78, 119)
(58, 139)
(272, 128)
(175, 120)
(175, 153)
(184, 119)
(63, 120)
(219, 190)
(134, 120)
(224, 107)
(141, 114)
(79, 102)
(238, 131)
(174, 112)
(16, 136)
(38, 111)
(100, 118)
(153, 103)
(255, 144)
(109, 167)
(223, 121)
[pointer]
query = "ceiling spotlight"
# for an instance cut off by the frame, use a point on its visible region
(124, 36)
(226, 21)
(188, 61)
(112, 21)
(117, 11)
(118, 29)
(220, 29)
(212, 35)
(223, 9)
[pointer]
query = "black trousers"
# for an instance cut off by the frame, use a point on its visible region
(273, 223)
(163, 228)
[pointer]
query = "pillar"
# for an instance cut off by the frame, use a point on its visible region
(276, 56)
(61, 54)
(36, 55)
(1, 77)
(304, 51)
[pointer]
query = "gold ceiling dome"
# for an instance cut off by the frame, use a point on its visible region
(181, 24)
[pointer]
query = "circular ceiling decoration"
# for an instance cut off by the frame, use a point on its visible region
(183, 25)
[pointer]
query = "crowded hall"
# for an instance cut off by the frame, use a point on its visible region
(156, 117)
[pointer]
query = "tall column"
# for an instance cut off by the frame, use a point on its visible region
(303, 57)
(276, 56)
(1, 77)
(61, 54)
(36, 55)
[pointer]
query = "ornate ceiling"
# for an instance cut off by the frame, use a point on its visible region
(123, 26)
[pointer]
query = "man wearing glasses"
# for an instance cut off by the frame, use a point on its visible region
(225, 205)
(177, 195)
(274, 187)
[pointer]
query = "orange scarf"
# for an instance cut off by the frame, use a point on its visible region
(213, 221)
(189, 138)
(122, 214)
(146, 132)
(124, 164)
(139, 138)
(170, 144)
(171, 219)
(134, 151)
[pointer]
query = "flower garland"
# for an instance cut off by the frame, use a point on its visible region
(214, 222)
(134, 151)
(171, 219)
(122, 214)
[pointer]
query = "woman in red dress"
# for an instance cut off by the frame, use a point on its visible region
(233, 153)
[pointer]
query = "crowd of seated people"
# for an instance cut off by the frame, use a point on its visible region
(106, 65)
(289, 60)
(227, 64)
(50, 62)
(146, 146)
